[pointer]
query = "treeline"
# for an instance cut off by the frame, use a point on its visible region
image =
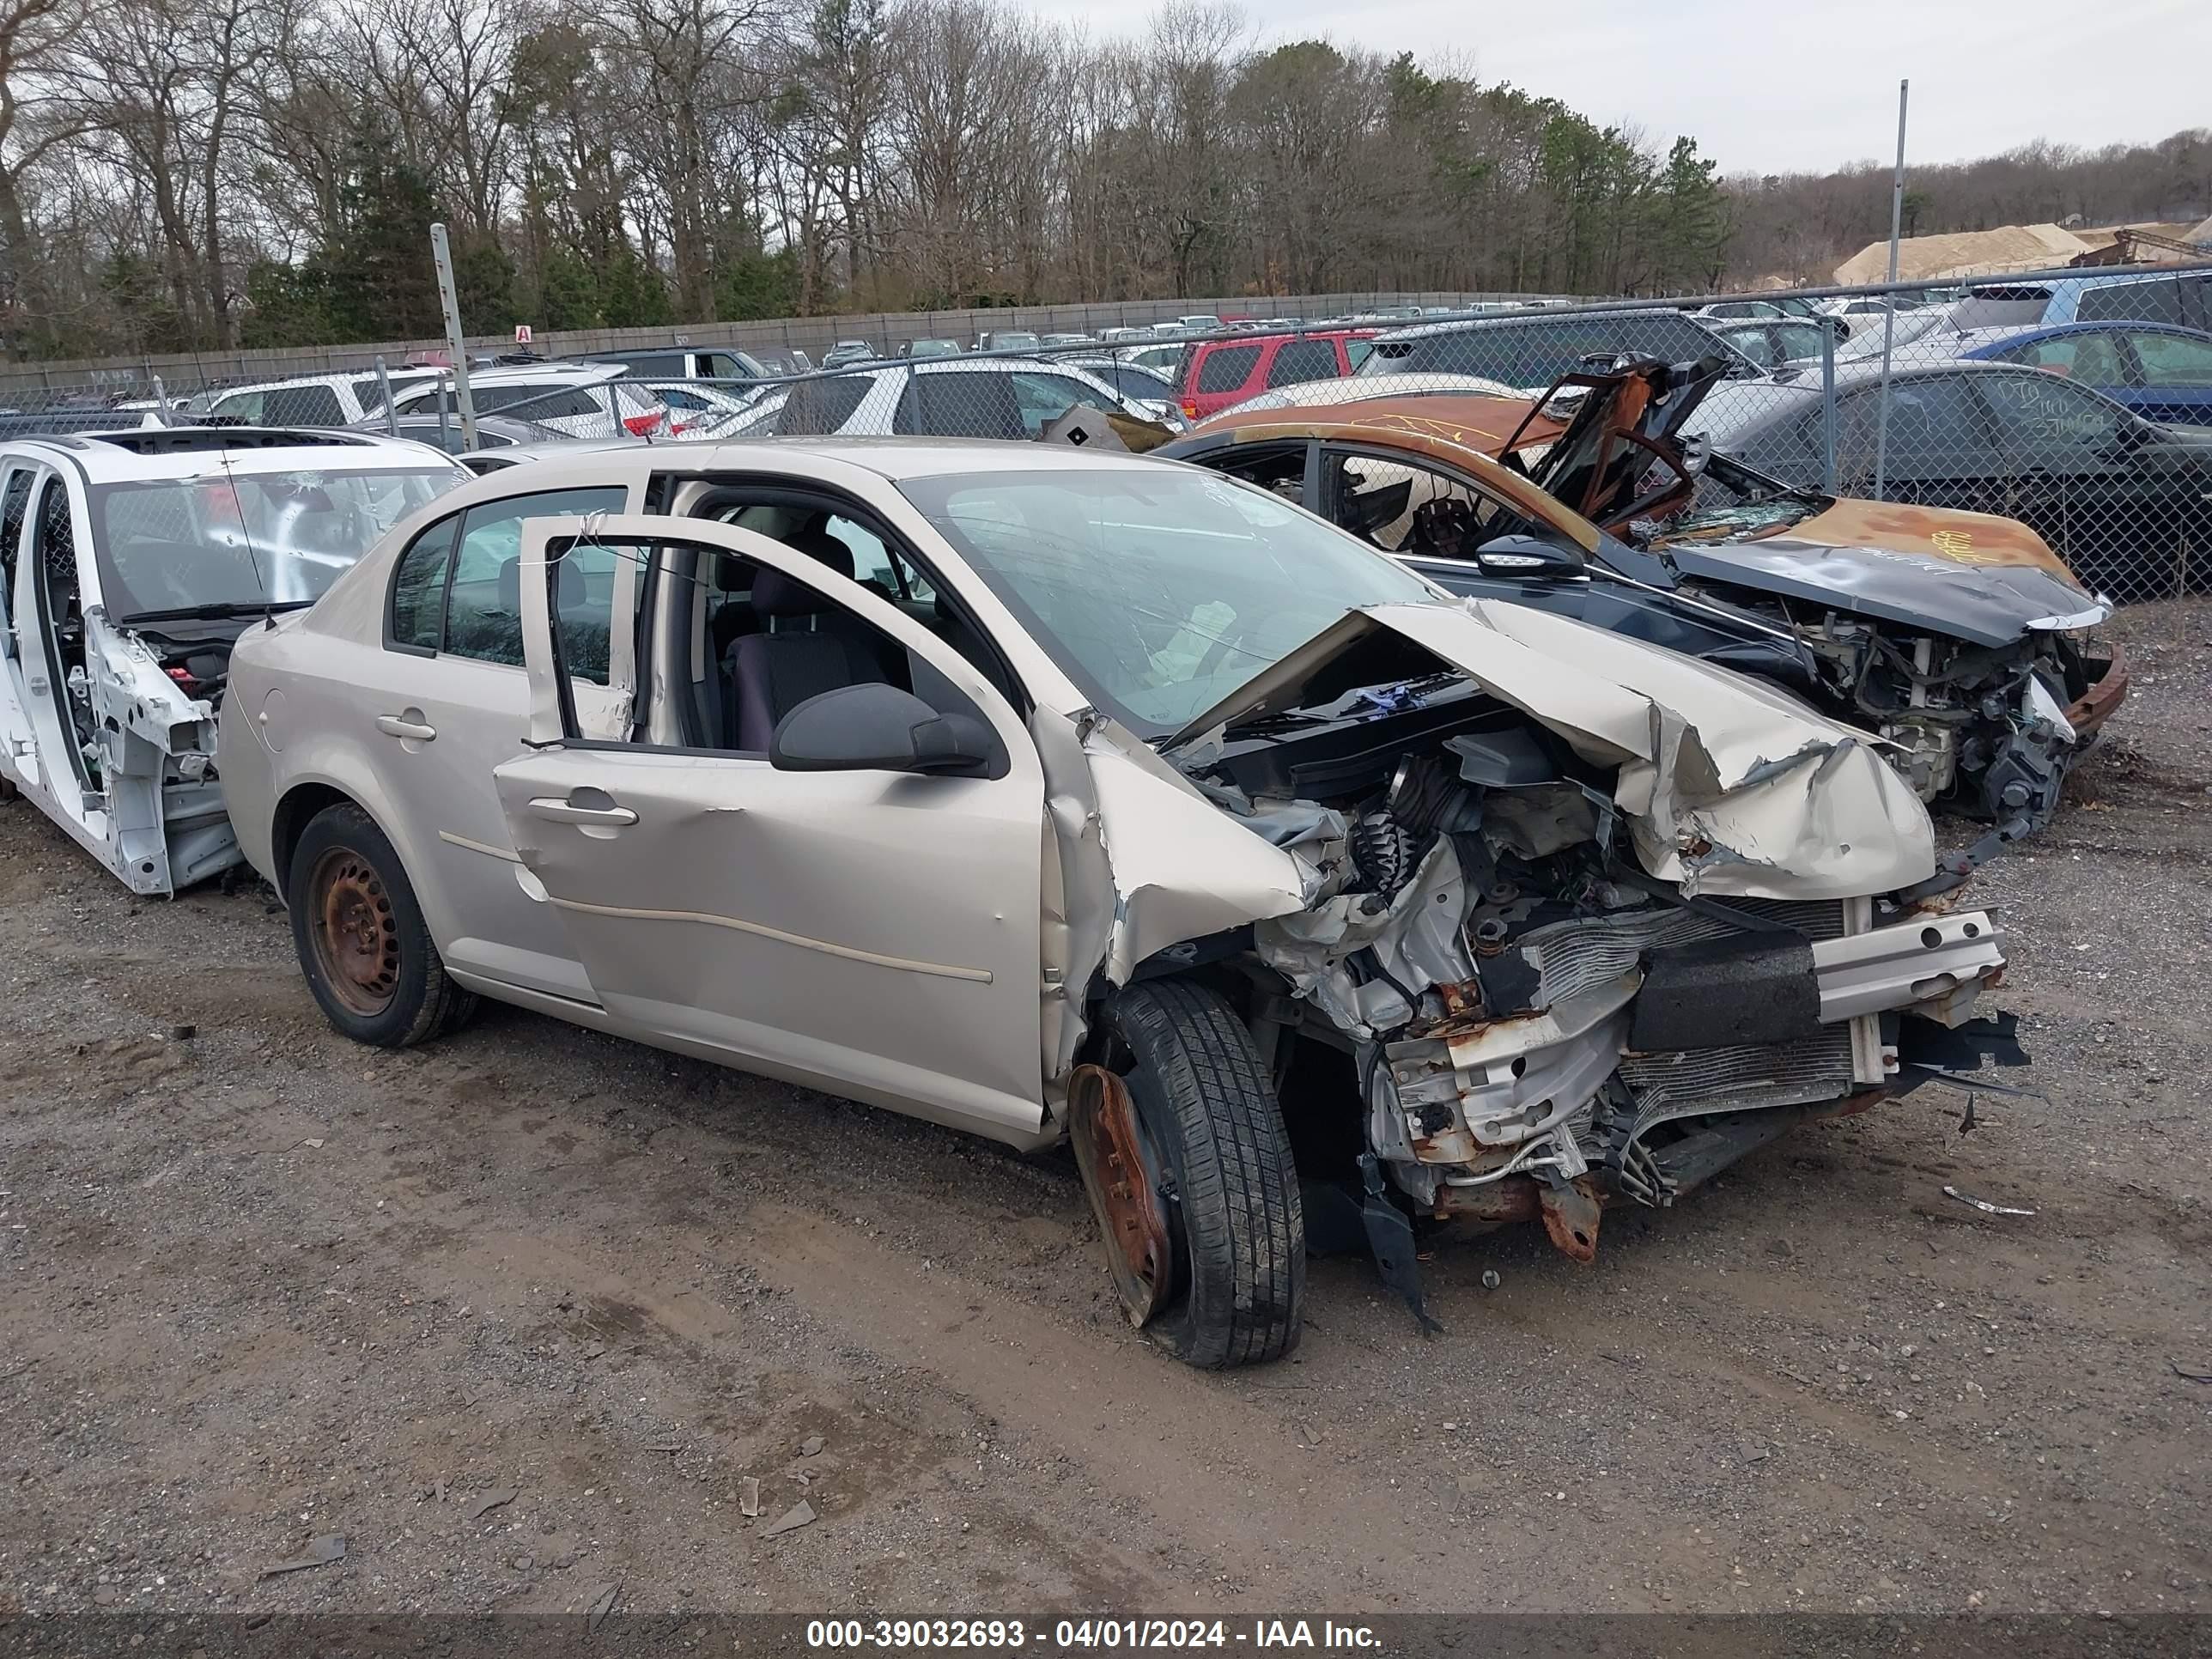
(1802, 225)
(200, 174)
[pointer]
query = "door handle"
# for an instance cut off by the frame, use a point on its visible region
(398, 725)
(556, 811)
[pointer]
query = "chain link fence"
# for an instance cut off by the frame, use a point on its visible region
(2079, 403)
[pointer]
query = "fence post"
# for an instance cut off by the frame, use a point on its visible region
(442, 256)
(160, 400)
(1828, 403)
(384, 390)
(1889, 304)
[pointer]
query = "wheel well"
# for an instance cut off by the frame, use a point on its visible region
(294, 814)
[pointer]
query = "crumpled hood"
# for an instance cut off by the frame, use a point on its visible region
(1728, 785)
(1971, 576)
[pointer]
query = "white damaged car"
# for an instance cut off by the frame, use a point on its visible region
(130, 562)
(1059, 795)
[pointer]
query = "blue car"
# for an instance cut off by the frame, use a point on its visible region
(2162, 372)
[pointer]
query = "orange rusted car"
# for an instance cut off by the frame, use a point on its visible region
(1959, 637)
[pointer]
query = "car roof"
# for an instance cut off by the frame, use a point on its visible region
(130, 454)
(555, 373)
(1531, 319)
(891, 458)
(331, 377)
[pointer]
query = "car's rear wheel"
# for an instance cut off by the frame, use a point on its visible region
(1188, 1164)
(361, 937)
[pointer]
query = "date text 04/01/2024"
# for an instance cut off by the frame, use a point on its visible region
(1086, 1634)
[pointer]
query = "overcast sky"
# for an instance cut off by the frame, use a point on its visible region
(1771, 86)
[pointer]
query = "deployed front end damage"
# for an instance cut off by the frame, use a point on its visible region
(1589, 919)
(1959, 637)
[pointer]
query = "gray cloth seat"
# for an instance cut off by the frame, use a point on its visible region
(806, 646)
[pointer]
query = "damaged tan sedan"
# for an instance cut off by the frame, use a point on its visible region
(1063, 796)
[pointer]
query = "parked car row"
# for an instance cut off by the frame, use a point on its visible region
(1403, 808)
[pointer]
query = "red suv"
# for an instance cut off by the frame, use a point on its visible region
(1216, 373)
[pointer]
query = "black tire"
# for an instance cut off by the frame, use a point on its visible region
(401, 994)
(1203, 1098)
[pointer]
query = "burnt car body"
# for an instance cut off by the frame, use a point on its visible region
(1960, 637)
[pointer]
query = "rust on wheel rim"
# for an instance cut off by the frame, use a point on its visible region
(356, 932)
(1108, 1150)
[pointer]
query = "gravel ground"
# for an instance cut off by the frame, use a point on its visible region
(524, 1316)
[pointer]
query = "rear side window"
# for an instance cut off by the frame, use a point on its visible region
(2159, 301)
(301, 406)
(2174, 359)
(1228, 368)
(418, 587)
(458, 588)
(2092, 359)
(538, 402)
(658, 362)
(960, 406)
(817, 408)
(1304, 360)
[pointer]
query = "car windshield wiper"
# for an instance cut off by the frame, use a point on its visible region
(223, 612)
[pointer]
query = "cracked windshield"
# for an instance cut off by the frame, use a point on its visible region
(234, 538)
(1157, 596)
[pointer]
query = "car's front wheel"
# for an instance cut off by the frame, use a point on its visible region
(1189, 1170)
(361, 937)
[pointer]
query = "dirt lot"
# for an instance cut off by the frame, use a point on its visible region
(259, 1285)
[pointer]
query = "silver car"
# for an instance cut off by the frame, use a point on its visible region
(1060, 795)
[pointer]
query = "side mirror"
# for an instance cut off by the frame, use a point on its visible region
(1529, 557)
(878, 728)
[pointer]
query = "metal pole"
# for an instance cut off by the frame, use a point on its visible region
(1889, 309)
(1828, 404)
(455, 345)
(384, 390)
(161, 400)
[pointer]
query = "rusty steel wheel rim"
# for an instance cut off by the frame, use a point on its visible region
(1117, 1175)
(356, 932)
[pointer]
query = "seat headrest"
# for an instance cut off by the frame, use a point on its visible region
(568, 595)
(818, 544)
(775, 594)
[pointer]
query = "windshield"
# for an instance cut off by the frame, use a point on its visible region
(245, 538)
(1157, 592)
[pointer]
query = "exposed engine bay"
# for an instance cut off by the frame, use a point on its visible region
(1982, 725)
(1565, 977)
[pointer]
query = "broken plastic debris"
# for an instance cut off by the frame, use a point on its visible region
(603, 1603)
(792, 1519)
(492, 1500)
(319, 1552)
(749, 1496)
(1983, 1204)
